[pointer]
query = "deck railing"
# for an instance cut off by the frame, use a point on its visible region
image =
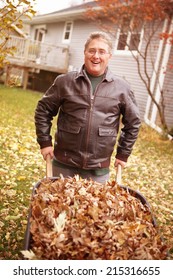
(27, 50)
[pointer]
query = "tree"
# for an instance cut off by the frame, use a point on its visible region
(12, 12)
(139, 21)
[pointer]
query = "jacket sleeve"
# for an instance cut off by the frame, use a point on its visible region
(130, 126)
(47, 108)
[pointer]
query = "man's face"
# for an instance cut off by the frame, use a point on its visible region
(97, 55)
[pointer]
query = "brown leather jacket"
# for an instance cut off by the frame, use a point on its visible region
(87, 126)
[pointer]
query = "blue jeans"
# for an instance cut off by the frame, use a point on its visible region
(85, 174)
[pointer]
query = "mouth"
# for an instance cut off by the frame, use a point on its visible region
(95, 63)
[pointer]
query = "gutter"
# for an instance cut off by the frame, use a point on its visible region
(55, 17)
(75, 12)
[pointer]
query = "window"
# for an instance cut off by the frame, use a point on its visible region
(39, 33)
(128, 37)
(67, 31)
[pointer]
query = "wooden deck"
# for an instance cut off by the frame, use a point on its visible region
(33, 56)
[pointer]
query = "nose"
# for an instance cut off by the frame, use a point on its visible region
(96, 54)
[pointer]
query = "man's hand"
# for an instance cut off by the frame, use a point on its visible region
(47, 151)
(118, 161)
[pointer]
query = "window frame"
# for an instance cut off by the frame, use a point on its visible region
(64, 40)
(39, 29)
(129, 33)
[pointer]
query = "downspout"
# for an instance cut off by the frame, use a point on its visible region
(161, 79)
(154, 76)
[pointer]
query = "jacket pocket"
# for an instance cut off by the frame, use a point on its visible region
(69, 128)
(68, 137)
(105, 142)
(106, 131)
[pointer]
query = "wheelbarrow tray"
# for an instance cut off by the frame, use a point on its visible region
(134, 193)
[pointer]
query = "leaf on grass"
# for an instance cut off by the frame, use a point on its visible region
(10, 193)
(1, 224)
(10, 217)
(28, 254)
(21, 178)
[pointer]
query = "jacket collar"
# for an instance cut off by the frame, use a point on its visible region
(109, 76)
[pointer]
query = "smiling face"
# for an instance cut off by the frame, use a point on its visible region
(97, 55)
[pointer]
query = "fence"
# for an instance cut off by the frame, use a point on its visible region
(27, 50)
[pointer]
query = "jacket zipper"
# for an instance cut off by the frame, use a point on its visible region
(89, 125)
(88, 132)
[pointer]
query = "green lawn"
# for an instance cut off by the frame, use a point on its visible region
(149, 170)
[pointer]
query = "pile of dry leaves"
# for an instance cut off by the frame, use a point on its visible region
(74, 218)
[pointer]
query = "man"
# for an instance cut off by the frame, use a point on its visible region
(89, 104)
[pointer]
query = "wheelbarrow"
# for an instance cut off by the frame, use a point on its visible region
(135, 193)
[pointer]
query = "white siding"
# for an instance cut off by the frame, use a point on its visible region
(125, 66)
(168, 92)
(81, 31)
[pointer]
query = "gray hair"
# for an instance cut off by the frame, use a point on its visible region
(99, 35)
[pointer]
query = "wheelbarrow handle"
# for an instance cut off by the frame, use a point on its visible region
(48, 166)
(118, 174)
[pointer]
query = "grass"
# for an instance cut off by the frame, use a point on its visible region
(149, 170)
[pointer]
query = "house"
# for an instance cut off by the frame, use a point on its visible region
(15, 32)
(57, 47)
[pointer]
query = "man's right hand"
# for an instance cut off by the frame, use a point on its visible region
(47, 151)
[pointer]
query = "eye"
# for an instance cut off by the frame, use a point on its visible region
(91, 51)
(94, 51)
(102, 52)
